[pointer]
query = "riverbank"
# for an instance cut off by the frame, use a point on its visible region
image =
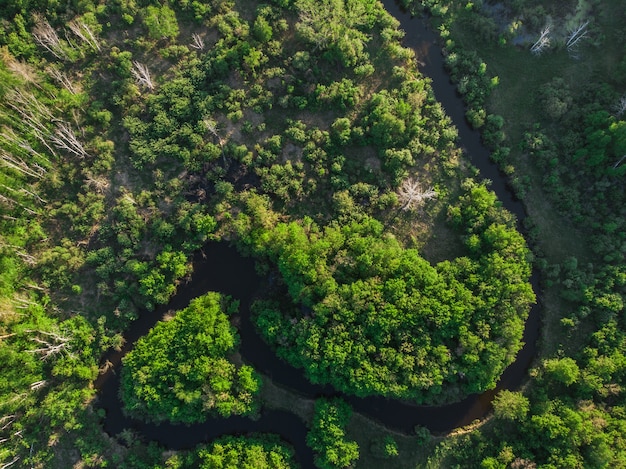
(546, 101)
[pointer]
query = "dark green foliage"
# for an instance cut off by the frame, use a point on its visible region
(327, 436)
(179, 371)
(469, 71)
(384, 448)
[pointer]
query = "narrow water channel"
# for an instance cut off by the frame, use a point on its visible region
(220, 268)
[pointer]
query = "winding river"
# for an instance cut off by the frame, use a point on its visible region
(220, 268)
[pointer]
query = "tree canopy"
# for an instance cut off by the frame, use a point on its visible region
(372, 317)
(180, 371)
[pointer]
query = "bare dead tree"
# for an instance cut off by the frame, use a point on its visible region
(7, 421)
(197, 42)
(38, 385)
(619, 162)
(33, 114)
(520, 463)
(33, 195)
(10, 138)
(23, 303)
(82, 31)
(12, 202)
(20, 191)
(620, 106)
(9, 464)
(211, 126)
(37, 117)
(31, 260)
(542, 43)
(411, 194)
(48, 38)
(62, 79)
(22, 69)
(99, 183)
(142, 75)
(18, 164)
(52, 343)
(576, 35)
(64, 138)
(28, 105)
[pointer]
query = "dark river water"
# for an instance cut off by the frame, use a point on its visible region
(220, 268)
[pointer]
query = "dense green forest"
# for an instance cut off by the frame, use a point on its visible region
(180, 371)
(132, 133)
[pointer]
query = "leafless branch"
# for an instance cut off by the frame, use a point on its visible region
(142, 75)
(411, 194)
(197, 43)
(8, 136)
(99, 183)
(619, 162)
(576, 35)
(81, 30)
(33, 114)
(16, 163)
(52, 343)
(64, 138)
(9, 464)
(7, 421)
(27, 105)
(620, 107)
(12, 202)
(47, 37)
(542, 43)
(38, 385)
(27, 258)
(22, 69)
(62, 79)
(211, 126)
(33, 195)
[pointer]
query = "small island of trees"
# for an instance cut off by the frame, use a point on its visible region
(180, 371)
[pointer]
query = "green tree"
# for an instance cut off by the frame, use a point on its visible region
(510, 405)
(256, 452)
(160, 22)
(179, 371)
(564, 370)
(327, 435)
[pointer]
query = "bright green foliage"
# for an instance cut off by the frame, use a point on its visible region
(253, 451)
(327, 436)
(246, 452)
(564, 370)
(160, 21)
(337, 27)
(179, 371)
(376, 318)
(510, 405)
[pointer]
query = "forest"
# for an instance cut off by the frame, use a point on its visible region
(135, 133)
